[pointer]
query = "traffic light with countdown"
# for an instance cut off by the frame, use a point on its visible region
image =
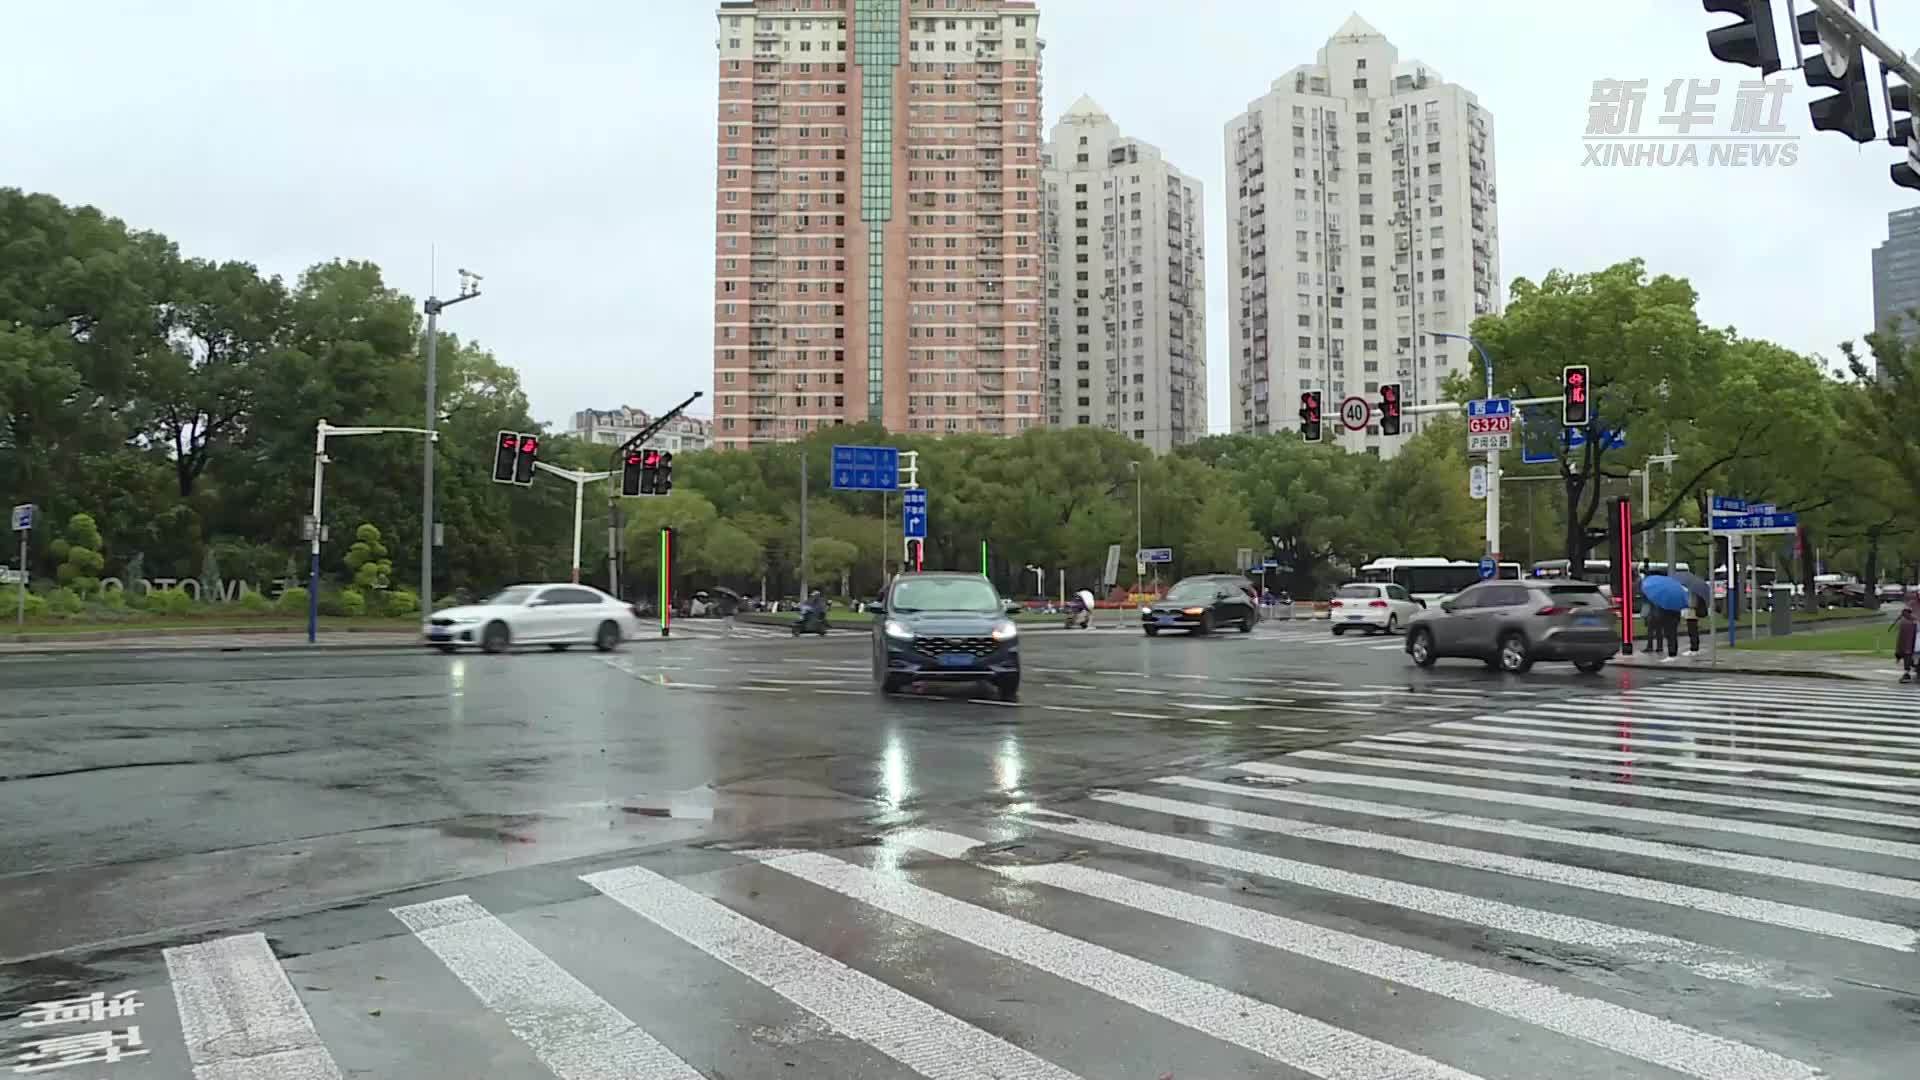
(1310, 415)
(506, 451)
(523, 464)
(1576, 406)
(1389, 408)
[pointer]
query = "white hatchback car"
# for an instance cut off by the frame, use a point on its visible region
(556, 616)
(1373, 608)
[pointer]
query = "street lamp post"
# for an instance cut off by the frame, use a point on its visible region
(321, 433)
(580, 480)
(469, 288)
(1139, 531)
(1493, 456)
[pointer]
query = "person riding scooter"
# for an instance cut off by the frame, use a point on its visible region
(813, 615)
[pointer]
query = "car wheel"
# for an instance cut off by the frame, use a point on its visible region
(1591, 667)
(1420, 647)
(892, 684)
(495, 638)
(607, 637)
(1008, 689)
(1152, 630)
(448, 649)
(1206, 623)
(1514, 658)
(559, 647)
(1339, 631)
(1393, 624)
(1246, 625)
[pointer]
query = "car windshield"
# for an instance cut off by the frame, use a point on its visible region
(1358, 592)
(1193, 590)
(945, 594)
(1577, 596)
(511, 597)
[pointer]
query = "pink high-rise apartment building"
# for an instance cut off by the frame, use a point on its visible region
(878, 252)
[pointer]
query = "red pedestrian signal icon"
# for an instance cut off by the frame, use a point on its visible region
(1576, 409)
(1310, 416)
(1390, 408)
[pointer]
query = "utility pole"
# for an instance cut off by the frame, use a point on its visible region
(1493, 456)
(469, 288)
(803, 523)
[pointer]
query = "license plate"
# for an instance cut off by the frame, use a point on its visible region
(1587, 620)
(1165, 620)
(956, 659)
(1355, 618)
(440, 635)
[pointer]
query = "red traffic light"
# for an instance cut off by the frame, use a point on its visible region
(529, 445)
(509, 441)
(652, 459)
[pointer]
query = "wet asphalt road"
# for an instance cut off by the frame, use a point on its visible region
(1265, 855)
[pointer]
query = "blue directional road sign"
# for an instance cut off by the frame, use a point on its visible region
(1156, 555)
(1727, 504)
(866, 468)
(23, 517)
(1270, 564)
(913, 514)
(1488, 567)
(1756, 522)
(1612, 440)
(1498, 406)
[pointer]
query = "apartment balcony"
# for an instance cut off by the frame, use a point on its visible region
(766, 165)
(990, 345)
(989, 73)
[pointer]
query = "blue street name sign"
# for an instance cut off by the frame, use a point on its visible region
(1271, 564)
(1611, 439)
(1488, 568)
(23, 517)
(1756, 522)
(1727, 504)
(1498, 406)
(1156, 555)
(913, 514)
(866, 468)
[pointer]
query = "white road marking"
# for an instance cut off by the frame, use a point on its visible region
(1491, 725)
(1132, 690)
(1204, 720)
(1789, 833)
(1790, 916)
(239, 1016)
(1179, 675)
(768, 689)
(1301, 1042)
(1838, 813)
(850, 693)
(1678, 755)
(1639, 705)
(1283, 727)
(1393, 648)
(993, 701)
(1338, 710)
(1435, 708)
(1738, 732)
(1640, 769)
(1702, 960)
(1210, 707)
(899, 1025)
(1457, 691)
(567, 1026)
(670, 685)
(1635, 1034)
(1146, 716)
(799, 682)
(1068, 708)
(1348, 693)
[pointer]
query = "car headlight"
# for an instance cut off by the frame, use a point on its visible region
(898, 630)
(1006, 631)
(1145, 610)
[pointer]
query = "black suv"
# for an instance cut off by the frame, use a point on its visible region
(1201, 605)
(946, 627)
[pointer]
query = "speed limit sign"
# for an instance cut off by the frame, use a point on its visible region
(1355, 412)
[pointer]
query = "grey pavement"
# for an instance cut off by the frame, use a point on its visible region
(1270, 855)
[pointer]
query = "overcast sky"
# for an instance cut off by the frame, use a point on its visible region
(565, 151)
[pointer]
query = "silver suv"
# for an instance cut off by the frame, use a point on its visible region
(1510, 624)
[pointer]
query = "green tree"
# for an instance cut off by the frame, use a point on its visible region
(1307, 500)
(828, 561)
(80, 555)
(367, 560)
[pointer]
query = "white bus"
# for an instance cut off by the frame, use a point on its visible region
(1429, 579)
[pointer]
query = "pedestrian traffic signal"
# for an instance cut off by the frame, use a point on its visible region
(1838, 66)
(506, 451)
(663, 475)
(1390, 408)
(1576, 407)
(523, 464)
(1748, 40)
(630, 474)
(1901, 134)
(1310, 415)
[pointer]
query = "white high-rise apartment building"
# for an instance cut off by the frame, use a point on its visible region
(1126, 285)
(1361, 191)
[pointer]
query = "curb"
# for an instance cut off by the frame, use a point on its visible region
(1782, 673)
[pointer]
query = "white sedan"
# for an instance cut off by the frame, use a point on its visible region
(1373, 608)
(556, 616)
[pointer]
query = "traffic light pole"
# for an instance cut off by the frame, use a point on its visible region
(434, 306)
(1493, 456)
(579, 480)
(613, 494)
(321, 433)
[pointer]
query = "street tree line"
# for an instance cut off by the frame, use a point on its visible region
(171, 399)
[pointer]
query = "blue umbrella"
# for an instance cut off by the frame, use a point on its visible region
(1664, 592)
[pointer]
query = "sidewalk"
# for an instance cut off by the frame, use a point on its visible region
(1740, 662)
(208, 641)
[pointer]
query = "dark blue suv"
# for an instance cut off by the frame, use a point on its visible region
(945, 627)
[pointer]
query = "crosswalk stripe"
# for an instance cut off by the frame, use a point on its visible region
(1860, 717)
(1735, 731)
(1493, 725)
(1645, 945)
(1639, 770)
(1790, 916)
(1789, 833)
(239, 1016)
(1750, 723)
(1672, 754)
(1797, 688)
(1613, 1027)
(933, 1043)
(1838, 813)
(1302, 1042)
(567, 1026)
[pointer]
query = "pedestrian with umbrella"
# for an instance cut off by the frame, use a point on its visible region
(1668, 598)
(1699, 596)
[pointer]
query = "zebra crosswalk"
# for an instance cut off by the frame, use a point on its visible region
(1723, 892)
